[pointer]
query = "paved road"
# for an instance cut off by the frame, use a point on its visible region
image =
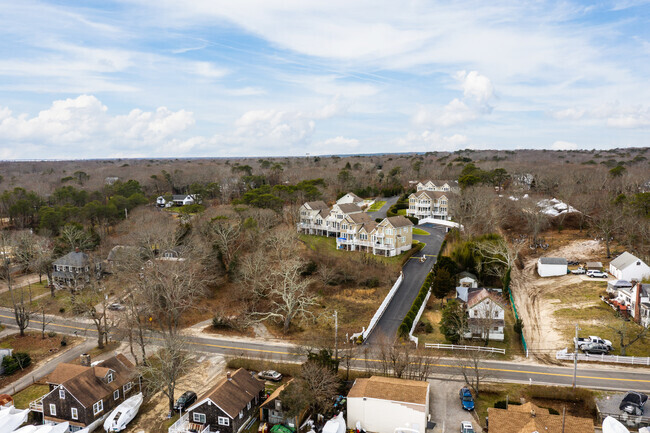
(414, 275)
(381, 213)
(589, 375)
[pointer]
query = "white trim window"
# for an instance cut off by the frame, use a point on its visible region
(248, 405)
(62, 393)
(98, 407)
(74, 413)
(109, 378)
(116, 394)
(222, 420)
(241, 414)
(52, 409)
(127, 387)
(198, 417)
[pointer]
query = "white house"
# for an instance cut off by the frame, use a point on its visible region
(551, 266)
(350, 198)
(383, 404)
(467, 279)
(486, 315)
(629, 267)
(160, 201)
(637, 300)
(183, 199)
(429, 204)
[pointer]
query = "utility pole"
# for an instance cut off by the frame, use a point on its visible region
(575, 358)
(336, 335)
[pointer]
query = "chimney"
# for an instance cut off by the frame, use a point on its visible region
(76, 250)
(637, 304)
(228, 376)
(85, 359)
(532, 413)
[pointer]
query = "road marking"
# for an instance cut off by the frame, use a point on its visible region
(248, 349)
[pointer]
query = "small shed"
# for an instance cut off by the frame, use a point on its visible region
(467, 279)
(552, 266)
(594, 266)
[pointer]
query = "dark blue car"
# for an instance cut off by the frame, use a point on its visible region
(466, 398)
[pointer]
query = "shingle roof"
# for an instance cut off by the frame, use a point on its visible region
(315, 205)
(354, 196)
(360, 218)
(179, 196)
(390, 388)
(399, 221)
(594, 265)
(466, 274)
(528, 418)
(275, 394)
(553, 261)
(624, 260)
(74, 258)
(432, 195)
(233, 395)
(476, 297)
(349, 208)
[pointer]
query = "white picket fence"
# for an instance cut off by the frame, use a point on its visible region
(564, 354)
(468, 348)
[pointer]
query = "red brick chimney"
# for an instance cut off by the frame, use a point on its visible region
(637, 304)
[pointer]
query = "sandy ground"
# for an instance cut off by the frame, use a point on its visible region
(536, 311)
(208, 369)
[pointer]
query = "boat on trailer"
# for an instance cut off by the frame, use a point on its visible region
(123, 414)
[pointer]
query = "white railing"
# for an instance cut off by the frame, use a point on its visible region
(37, 405)
(417, 319)
(382, 308)
(439, 222)
(468, 348)
(181, 425)
(564, 354)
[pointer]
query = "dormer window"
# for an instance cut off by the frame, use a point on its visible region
(109, 378)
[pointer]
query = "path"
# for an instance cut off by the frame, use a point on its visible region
(414, 274)
(381, 213)
(19, 282)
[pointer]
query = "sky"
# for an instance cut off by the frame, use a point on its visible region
(216, 78)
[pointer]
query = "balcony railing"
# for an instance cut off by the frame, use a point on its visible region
(37, 405)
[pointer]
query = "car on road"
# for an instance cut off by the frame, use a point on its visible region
(185, 400)
(466, 427)
(466, 398)
(270, 375)
(596, 274)
(116, 306)
(580, 270)
(595, 348)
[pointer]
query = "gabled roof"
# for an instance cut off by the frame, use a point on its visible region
(399, 221)
(431, 195)
(466, 274)
(275, 394)
(181, 196)
(529, 418)
(476, 297)
(232, 395)
(369, 226)
(594, 265)
(354, 196)
(316, 205)
(624, 260)
(553, 261)
(360, 218)
(75, 258)
(349, 208)
(391, 388)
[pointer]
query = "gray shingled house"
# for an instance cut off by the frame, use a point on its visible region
(74, 270)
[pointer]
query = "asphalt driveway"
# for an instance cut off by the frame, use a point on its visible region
(414, 274)
(381, 213)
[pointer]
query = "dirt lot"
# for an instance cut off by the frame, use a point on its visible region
(153, 414)
(550, 307)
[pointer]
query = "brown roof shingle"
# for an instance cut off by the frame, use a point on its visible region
(529, 418)
(349, 208)
(360, 218)
(390, 388)
(475, 297)
(399, 221)
(315, 205)
(233, 395)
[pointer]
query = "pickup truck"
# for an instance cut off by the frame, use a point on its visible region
(580, 270)
(592, 339)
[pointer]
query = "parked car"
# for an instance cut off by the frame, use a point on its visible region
(116, 306)
(580, 270)
(270, 375)
(596, 274)
(595, 348)
(633, 403)
(185, 400)
(572, 262)
(466, 427)
(592, 339)
(466, 398)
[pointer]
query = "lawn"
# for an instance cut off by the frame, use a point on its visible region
(376, 206)
(401, 211)
(420, 232)
(36, 289)
(29, 394)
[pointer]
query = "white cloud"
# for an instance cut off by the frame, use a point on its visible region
(569, 114)
(427, 140)
(564, 145)
(612, 114)
(476, 87)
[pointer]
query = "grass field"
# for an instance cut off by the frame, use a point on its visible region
(36, 289)
(29, 394)
(420, 232)
(401, 211)
(376, 206)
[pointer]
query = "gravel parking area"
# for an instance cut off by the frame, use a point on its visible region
(446, 410)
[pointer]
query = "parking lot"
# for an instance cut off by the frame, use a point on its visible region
(446, 410)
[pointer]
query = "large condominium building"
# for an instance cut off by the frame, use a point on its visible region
(431, 200)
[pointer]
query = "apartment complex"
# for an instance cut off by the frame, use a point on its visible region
(431, 200)
(355, 230)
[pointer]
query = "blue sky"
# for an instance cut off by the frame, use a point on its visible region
(141, 78)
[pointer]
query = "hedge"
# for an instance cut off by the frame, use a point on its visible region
(15, 362)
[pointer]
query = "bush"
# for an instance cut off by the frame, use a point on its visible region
(51, 334)
(220, 321)
(15, 362)
(309, 268)
(552, 411)
(501, 404)
(64, 341)
(372, 282)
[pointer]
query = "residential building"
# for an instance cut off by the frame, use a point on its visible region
(439, 185)
(636, 299)
(312, 218)
(385, 404)
(177, 200)
(350, 198)
(594, 266)
(75, 269)
(226, 408)
(83, 394)
(629, 267)
(272, 411)
(552, 266)
(486, 315)
(429, 204)
(528, 418)
(467, 279)
(336, 215)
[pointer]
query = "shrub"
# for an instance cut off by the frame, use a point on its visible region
(51, 334)
(15, 362)
(219, 321)
(501, 404)
(64, 341)
(309, 268)
(372, 282)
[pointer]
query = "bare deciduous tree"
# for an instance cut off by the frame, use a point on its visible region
(628, 333)
(497, 256)
(21, 307)
(75, 237)
(606, 222)
(92, 303)
(470, 367)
